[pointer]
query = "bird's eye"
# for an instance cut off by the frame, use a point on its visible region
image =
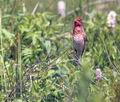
(77, 23)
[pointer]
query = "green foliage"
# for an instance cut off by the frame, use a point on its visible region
(36, 62)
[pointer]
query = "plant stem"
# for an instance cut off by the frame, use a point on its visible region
(108, 56)
(2, 54)
(35, 8)
(19, 64)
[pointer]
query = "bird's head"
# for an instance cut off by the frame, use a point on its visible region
(78, 22)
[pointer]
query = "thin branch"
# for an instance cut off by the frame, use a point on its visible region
(35, 8)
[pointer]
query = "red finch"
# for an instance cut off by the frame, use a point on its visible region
(79, 38)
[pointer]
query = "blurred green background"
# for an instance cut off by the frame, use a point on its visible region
(36, 52)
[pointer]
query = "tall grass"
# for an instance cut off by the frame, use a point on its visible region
(41, 67)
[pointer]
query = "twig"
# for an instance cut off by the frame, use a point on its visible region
(35, 8)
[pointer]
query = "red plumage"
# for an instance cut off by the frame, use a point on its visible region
(79, 38)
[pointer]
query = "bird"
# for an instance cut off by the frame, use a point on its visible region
(79, 38)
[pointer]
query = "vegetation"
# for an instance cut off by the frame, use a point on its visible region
(36, 58)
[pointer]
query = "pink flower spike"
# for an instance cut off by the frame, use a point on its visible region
(61, 8)
(111, 19)
(98, 74)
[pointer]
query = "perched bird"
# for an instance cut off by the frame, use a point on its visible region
(79, 38)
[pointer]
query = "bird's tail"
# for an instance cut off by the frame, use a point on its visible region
(77, 59)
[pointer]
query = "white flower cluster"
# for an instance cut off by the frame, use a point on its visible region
(61, 8)
(111, 19)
